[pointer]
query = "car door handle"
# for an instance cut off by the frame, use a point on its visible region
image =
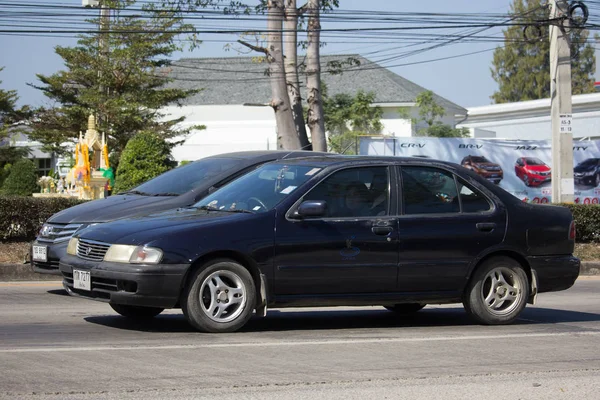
(486, 226)
(382, 230)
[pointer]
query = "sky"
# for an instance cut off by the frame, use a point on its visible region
(463, 79)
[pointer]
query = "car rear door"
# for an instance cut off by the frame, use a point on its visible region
(445, 224)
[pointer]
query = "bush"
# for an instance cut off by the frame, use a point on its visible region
(145, 157)
(22, 180)
(22, 217)
(587, 221)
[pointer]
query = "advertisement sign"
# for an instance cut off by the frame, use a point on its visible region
(521, 167)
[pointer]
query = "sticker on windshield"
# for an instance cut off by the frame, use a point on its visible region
(256, 208)
(288, 189)
(313, 171)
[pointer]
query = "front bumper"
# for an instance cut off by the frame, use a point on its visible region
(55, 252)
(128, 284)
(586, 180)
(555, 273)
(536, 180)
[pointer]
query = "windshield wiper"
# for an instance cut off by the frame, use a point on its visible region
(167, 194)
(210, 208)
(137, 192)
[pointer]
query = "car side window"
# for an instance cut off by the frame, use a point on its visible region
(428, 190)
(471, 200)
(354, 192)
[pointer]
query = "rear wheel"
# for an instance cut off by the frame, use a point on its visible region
(406, 309)
(497, 292)
(219, 297)
(136, 312)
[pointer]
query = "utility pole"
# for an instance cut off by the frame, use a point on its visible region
(103, 47)
(563, 185)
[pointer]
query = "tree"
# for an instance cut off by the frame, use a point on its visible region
(8, 100)
(522, 67)
(430, 112)
(347, 117)
(127, 87)
(146, 156)
(22, 180)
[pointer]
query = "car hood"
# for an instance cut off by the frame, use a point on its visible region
(486, 164)
(117, 207)
(584, 168)
(140, 230)
(538, 168)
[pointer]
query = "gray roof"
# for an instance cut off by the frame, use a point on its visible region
(239, 80)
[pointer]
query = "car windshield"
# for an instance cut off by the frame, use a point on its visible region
(260, 190)
(479, 159)
(185, 178)
(534, 161)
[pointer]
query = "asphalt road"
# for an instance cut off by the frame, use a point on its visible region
(57, 347)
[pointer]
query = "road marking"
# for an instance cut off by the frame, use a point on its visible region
(31, 284)
(297, 343)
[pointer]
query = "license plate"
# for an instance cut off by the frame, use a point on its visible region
(81, 280)
(40, 253)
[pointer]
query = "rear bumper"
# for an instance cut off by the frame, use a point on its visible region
(555, 273)
(127, 284)
(56, 251)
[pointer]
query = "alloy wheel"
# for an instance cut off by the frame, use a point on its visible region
(502, 291)
(223, 296)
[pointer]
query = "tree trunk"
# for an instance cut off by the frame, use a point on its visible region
(287, 138)
(313, 78)
(291, 70)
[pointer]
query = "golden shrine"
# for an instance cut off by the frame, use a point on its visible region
(88, 178)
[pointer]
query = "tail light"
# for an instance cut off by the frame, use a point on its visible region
(572, 231)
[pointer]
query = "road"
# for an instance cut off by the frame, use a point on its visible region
(53, 346)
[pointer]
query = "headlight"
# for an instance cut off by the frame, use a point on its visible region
(72, 246)
(588, 173)
(122, 253)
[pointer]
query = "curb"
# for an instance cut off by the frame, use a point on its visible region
(23, 272)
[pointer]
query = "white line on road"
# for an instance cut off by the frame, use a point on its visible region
(297, 343)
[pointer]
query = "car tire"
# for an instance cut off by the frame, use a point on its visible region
(406, 308)
(597, 180)
(136, 312)
(214, 284)
(497, 292)
(526, 180)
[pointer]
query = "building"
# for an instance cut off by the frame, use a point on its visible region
(232, 103)
(45, 162)
(530, 120)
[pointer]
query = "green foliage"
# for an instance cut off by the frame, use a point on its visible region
(587, 221)
(146, 156)
(429, 110)
(126, 88)
(522, 68)
(184, 162)
(22, 217)
(22, 180)
(9, 114)
(440, 130)
(347, 117)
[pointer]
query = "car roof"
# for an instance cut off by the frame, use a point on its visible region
(267, 154)
(336, 159)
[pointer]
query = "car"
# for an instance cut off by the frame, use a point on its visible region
(179, 187)
(532, 171)
(588, 172)
(330, 231)
(484, 168)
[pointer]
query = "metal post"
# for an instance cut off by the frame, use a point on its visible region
(563, 187)
(103, 46)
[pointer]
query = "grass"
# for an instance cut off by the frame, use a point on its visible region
(14, 252)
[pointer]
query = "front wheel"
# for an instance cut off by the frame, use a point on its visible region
(406, 308)
(497, 292)
(137, 312)
(597, 180)
(219, 297)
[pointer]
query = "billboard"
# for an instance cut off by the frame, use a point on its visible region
(521, 167)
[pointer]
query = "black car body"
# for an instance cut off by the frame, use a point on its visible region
(588, 172)
(176, 188)
(327, 232)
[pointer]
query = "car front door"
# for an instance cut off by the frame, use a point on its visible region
(353, 248)
(445, 224)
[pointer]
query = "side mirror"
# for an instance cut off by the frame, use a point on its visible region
(312, 208)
